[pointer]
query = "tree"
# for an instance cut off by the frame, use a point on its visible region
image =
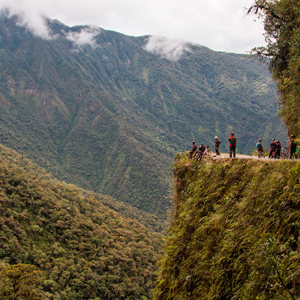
(281, 20)
(20, 281)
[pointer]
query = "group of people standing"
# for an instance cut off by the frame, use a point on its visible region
(206, 150)
(275, 148)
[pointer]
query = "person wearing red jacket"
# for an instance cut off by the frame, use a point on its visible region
(272, 148)
(232, 145)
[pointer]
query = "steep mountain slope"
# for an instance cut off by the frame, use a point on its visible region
(235, 231)
(87, 250)
(109, 115)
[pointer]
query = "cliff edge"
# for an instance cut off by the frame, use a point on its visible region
(234, 233)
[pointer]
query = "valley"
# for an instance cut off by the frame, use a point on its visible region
(109, 115)
(96, 190)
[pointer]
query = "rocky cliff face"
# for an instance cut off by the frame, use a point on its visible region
(234, 233)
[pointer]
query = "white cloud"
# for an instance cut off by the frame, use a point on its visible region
(85, 36)
(172, 49)
(30, 16)
(218, 24)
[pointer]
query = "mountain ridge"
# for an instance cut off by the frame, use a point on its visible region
(109, 116)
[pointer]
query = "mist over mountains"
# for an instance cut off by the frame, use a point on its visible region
(108, 111)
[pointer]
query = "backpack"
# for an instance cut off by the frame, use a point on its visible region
(273, 145)
(259, 146)
(232, 140)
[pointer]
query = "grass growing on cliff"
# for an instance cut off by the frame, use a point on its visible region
(235, 231)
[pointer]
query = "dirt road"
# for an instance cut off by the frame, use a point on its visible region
(226, 155)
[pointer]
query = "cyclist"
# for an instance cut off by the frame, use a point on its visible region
(260, 149)
(272, 148)
(278, 150)
(200, 152)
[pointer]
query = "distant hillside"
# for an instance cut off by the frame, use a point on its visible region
(86, 249)
(235, 231)
(109, 115)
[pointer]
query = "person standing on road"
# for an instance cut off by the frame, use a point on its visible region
(272, 148)
(292, 146)
(217, 145)
(260, 149)
(278, 150)
(193, 150)
(232, 145)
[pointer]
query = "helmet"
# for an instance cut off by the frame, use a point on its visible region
(292, 136)
(278, 141)
(194, 142)
(259, 140)
(216, 137)
(232, 133)
(274, 140)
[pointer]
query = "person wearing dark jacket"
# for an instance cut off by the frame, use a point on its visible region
(200, 152)
(272, 148)
(217, 145)
(292, 146)
(232, 145)
(193, 150)
(202, 149)
(278, 150)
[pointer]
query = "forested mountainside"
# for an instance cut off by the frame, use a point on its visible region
(86, 249)
(235, 232)
(109, 115)
(281, 20)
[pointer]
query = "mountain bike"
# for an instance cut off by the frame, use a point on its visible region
(199, 155)
(285, 153)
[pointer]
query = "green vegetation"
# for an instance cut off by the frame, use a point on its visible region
(235, 232)
(85, 249)
(110, 118)
(282, 31)
(20, 281)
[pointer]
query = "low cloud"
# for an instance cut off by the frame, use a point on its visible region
(30, 18)
(86, 36)
(220, 24)
(172, 49)
(38, 25)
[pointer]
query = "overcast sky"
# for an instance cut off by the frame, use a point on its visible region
(218, 24)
